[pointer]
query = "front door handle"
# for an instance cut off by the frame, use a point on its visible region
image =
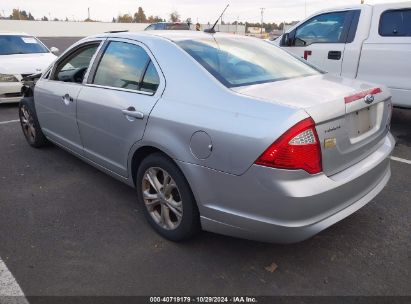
(67, 99)
(334, 55)
(131, 112)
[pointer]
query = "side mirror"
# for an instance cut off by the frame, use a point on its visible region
(285, 40)
(54, 50)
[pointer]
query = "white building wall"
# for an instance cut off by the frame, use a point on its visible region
(83, 29)
(66, 29)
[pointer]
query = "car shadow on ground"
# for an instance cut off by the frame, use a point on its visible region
(401, 126)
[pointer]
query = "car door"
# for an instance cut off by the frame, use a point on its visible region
(112, 111)
(56, 96)
(321, 40)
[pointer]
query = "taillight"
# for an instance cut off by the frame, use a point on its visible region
(298, 148)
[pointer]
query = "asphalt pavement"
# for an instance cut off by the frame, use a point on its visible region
(68, 229)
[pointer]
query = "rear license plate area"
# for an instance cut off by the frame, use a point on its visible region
(360, 122)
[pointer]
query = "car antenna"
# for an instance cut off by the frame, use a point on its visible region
(211, 30)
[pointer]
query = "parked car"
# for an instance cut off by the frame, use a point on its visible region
(225, 133)
(20, 55)
(367, 42)
(180, 26)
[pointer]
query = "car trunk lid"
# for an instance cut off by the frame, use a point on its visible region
(351, 117)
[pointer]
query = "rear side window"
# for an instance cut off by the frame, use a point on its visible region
(395, 23)
(151, 80)
(122, 66)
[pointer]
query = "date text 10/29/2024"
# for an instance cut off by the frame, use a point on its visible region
(235, 299)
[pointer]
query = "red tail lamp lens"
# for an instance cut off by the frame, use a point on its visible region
(298, 148)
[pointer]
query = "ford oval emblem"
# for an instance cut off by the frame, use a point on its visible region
(369, 99)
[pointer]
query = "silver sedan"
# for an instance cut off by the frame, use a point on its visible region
(218, 132)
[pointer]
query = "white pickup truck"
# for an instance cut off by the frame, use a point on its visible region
(368, 42)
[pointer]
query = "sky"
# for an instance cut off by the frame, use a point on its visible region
(202, 11)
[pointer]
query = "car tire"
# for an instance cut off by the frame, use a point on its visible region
(30, 124)
(159, 178)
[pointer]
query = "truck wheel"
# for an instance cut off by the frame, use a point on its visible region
(166, 197)
(30, 125)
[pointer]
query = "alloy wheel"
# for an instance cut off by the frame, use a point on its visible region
(162, 198)
(27, 123)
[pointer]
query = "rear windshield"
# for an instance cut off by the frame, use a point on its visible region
(11, 44)
(245, 61)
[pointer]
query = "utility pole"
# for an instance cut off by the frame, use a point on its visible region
(88, 13)
(262, 19)
(305, 7)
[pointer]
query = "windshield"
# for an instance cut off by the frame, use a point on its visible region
(11, 44)
(245, 61)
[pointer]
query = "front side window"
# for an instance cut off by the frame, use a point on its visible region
(74, 67)
(122, 66)
(245, 61)
(325, 28)
(396, 23)
(13, 44)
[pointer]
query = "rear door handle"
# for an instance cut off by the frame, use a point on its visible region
(131, 112)
(334, 55)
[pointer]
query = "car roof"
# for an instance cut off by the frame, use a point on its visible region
(173, 35)
(165, 22)
(360, 6)
(14, 34)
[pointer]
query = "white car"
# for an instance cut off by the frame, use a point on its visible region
(20, 55)
(367, 42)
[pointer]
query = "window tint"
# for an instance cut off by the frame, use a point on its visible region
(11, 44)
(245, 61)
(73, 68)
(122, 66)
(396, 23)
(325, 28)
(151, 80)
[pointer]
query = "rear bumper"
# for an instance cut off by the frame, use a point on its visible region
(285, 206)
(10, 92)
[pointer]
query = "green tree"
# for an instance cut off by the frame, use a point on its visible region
(126, 18)
(175, 17)
(155, 19)
(15, 15)
(140, 16)
(23, 15)
(44, 18)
